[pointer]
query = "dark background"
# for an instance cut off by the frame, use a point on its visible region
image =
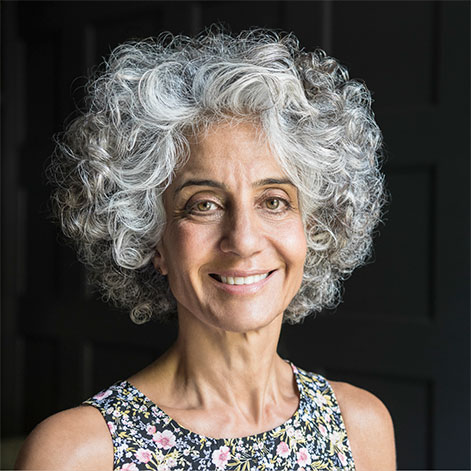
(402, 331)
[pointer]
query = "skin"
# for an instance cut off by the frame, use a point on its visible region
(223, 376)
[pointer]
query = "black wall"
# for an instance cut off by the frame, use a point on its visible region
(403, 329)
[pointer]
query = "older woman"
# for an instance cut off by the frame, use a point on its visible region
(232, 182)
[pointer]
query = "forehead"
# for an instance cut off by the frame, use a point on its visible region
(229, 151)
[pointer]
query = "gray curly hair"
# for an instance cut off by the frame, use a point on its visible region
(113, 163)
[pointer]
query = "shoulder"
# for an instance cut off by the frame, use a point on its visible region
(369, 427)
(76, 438)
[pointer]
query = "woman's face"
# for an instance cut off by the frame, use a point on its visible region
(234, 243)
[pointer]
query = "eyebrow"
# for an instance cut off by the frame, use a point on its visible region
(222, 186)
(273, 181)
(211, 183)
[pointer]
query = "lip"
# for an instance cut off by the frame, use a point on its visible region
(243, 289)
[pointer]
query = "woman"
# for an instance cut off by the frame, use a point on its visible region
(232, 182)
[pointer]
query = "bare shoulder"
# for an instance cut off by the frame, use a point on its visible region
(369, 427)
(76, 439)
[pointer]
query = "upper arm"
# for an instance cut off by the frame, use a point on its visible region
(72, 439)
(369, 428)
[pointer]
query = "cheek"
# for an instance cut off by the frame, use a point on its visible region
(187, 245)
(294, 245)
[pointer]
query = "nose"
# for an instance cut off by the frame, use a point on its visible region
(242, 234)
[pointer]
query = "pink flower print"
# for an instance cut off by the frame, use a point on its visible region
(164, 440)
(319, 399)
(126, 421)
(303, 457)
(172, 462)
(143, 455)
(221, 457)
(323, 430)
(342, 458)
(111, 427)
(151, 429)
(102, 395)
(282, 449)
(129, 467)
(336, 438)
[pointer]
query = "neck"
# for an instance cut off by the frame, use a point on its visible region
(211, 366)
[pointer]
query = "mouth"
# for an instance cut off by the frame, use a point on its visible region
(240, 280)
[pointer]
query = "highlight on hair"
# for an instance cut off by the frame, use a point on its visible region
(113, 163)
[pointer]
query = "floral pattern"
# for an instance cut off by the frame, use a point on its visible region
(146, 438)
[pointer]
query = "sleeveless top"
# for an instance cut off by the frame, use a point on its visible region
(146, 438)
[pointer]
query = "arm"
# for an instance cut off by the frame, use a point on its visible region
(369, 428)
(72, 439)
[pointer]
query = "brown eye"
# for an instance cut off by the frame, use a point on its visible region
(273, 203)
(204, 206)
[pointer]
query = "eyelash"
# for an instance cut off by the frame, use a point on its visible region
(191, 208)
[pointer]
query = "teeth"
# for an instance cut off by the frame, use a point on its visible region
(238, 280)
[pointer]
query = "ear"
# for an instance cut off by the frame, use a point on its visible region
(159, 261)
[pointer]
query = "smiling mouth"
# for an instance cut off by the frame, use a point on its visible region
(239, 280)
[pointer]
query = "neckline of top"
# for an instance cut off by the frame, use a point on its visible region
(255, 437)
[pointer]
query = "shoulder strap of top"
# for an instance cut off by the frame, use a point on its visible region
(126, 411)
(107, 399)
(321, 403)
(120, 407)
(121, 402)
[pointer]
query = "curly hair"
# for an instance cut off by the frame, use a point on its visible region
(113, 162)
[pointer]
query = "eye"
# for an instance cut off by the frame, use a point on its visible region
(205, 206)
(202, 206)
(273, 203)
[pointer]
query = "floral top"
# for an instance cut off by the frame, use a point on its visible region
(146, 438)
